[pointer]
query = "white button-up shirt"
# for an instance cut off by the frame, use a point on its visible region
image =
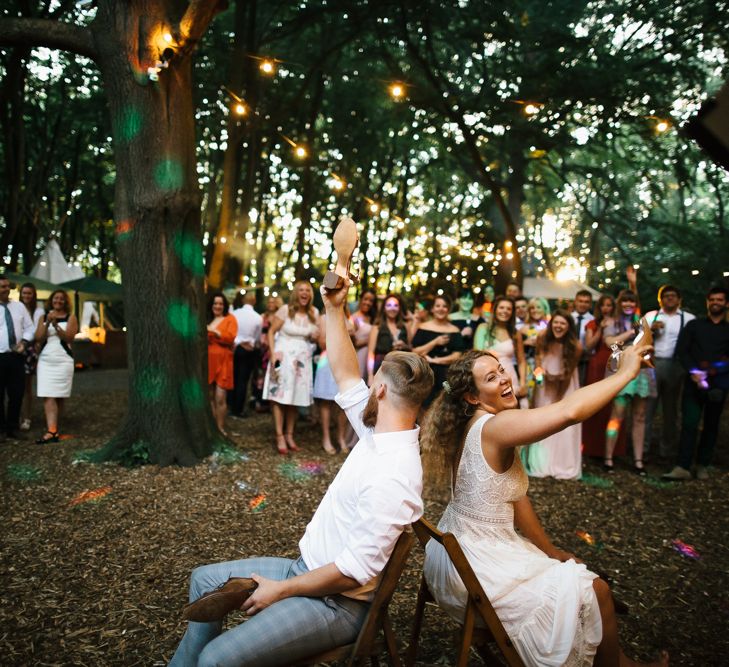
(249, 325)
(664, 343)
(376, 493)
(586, 317)
(22, 324)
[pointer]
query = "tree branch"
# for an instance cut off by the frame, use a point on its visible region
(46, 32)
(197, 18)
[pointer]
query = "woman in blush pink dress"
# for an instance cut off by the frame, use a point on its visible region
(558, 352)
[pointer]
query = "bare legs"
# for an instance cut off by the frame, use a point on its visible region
(609, 653)
(325, 411)
(284, 421)
(27, 400)
(218, 405)
(638, 409)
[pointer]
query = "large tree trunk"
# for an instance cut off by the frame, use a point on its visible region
(157, 215)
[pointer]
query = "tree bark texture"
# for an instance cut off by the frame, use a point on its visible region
(156, 211)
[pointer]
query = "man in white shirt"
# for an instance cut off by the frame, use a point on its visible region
(16, 332)
(581, 315)
(246, 356)
(666, 323)
(319, 601)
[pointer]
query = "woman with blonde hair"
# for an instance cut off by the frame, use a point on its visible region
(56, 331)
(289, 382)
(553, 608)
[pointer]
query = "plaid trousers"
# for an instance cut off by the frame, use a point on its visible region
(287, 631)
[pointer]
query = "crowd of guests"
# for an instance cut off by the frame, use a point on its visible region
(547, 351)
(34, 341)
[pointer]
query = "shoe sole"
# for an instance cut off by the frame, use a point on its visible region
(216, 605)
(345, 241)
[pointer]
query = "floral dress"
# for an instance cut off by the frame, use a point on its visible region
(293, 382)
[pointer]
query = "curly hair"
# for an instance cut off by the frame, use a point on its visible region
(443, 429)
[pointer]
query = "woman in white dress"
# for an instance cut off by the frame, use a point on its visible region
(555, 611)
(289, 382)
(558, 352)
(55, 362)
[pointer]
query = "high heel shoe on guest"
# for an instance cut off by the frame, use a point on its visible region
(345, 241)
(281, 447)
(607, 466)
(639, 468)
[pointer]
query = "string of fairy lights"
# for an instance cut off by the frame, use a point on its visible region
(492, 254)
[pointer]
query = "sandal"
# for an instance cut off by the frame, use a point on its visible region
(329, 448)
(607, 465)
(639, 469)
(281, 447)
(345, 241)
(44, 441)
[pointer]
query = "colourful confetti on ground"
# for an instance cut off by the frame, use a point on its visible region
(658, 483)
(685, 549)
(23, 472)
(226, 455)
(258, 503)
(300, 472)
(90, 495)
(594, 480)
(66, 436)
(82, 456)
(586, 537)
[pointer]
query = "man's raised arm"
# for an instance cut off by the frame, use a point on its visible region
(340, 350)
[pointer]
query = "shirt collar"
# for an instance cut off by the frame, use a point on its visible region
(385, 442)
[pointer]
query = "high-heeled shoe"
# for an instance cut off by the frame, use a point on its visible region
(645, 337)
(639, 469)
(607, 465)
(290, 442)
(345, 241)
(281, 447)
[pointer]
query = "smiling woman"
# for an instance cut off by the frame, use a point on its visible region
(554, 610)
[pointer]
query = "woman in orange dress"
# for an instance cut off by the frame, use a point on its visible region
(222, 329)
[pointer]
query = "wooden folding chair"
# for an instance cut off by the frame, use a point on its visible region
(478, 605)
(368, 644)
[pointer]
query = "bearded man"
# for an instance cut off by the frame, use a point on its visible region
(319, 601)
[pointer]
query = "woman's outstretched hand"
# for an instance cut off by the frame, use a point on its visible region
(632, 357)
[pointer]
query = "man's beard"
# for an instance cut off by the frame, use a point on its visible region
(369, 414)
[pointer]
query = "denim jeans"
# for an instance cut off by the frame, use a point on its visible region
(695, 402)
(285, 632)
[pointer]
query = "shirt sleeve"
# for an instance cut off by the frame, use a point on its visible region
(353, 402)
(384, 510)
(27, 326)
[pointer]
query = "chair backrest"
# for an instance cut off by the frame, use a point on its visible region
(478, 602)
(377, 615)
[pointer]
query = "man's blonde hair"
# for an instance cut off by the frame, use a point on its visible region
(408, 376)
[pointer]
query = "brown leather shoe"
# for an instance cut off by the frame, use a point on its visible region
(215, 605)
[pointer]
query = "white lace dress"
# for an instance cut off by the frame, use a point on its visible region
(548, 608)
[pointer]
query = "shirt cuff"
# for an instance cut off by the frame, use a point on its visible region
(347, 563)
(353, 396)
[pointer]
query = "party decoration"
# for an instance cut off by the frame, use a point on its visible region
(685, 549)
(258, 503)
(90, 495)
(594, 480)
(302, 471)
(23, 472)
